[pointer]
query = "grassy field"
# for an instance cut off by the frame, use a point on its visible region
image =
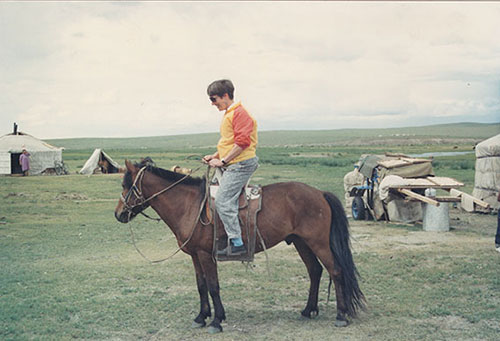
(427, 135)
(70, 271)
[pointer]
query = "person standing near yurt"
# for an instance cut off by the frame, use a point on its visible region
(24, 161)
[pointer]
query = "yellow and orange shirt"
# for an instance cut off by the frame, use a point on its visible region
(240, 128)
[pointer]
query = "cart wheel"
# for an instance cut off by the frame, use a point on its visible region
(358, 209)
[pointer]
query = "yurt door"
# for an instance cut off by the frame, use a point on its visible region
(15, 167)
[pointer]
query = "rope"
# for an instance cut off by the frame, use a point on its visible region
(180, 247)
(265, 251)
(207, 197)
(171, 186)
(147, 216)
(198, 218)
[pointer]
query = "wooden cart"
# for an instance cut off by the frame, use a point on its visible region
(417, 176)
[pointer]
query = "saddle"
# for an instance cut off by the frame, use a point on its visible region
(250, 203)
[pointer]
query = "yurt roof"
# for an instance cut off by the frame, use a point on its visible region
(15, 143)
(489, 147)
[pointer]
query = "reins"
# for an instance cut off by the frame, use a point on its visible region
(178, 249)
(138, 192)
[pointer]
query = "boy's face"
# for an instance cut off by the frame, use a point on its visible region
(222, 103)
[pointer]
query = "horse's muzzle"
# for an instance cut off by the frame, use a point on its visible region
(123, 217)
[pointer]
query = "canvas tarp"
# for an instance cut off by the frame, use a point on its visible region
(352, 179)
(92, 163)
(404, 211)
(42, 155)
(403, 166)
(406, 168)
(487, 176)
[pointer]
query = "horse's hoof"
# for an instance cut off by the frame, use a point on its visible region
(341, 323)
(196, 325)
(214, 330)
(310, 314)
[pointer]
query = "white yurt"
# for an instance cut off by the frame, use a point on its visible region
(43, 156)
(487, 177)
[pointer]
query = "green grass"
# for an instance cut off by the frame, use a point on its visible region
(69, 269)
(296, 138)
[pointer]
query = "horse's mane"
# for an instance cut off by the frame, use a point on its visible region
(164, 174)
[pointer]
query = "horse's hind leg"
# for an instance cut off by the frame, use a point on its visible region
(325, 256)
(315, 270)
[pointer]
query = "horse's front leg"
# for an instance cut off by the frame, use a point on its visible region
(199, 321)
(210, 271)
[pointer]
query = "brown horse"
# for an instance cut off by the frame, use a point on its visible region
(312, 220)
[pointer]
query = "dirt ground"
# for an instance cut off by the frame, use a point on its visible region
(478, 228)
(391, 316)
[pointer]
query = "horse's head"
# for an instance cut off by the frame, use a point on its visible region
(132, 201)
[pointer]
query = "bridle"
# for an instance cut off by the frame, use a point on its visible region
(140, 200)
(137, 191)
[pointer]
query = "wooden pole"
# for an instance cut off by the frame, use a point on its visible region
(417, 196)
(457, 193)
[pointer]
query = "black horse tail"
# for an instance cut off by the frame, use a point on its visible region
(341, 248)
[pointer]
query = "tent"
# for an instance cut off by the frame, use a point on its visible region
(43, 156)
(487, 177)
(99, 161)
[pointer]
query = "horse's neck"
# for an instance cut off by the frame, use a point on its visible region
(178, 208)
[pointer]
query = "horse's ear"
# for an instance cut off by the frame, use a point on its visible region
(130, 166)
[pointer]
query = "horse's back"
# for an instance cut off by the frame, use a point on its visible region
(294, 193)
(291, 187)
(294, 208)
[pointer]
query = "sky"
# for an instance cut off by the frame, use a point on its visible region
(129, 69)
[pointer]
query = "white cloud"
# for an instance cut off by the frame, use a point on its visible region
(138, 69)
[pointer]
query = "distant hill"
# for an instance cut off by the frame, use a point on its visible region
(442, 133)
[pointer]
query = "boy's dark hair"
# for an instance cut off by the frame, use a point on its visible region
(221, 87)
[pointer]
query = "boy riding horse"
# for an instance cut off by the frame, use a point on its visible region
(235, 156)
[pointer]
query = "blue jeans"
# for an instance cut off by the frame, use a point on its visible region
(234, 178)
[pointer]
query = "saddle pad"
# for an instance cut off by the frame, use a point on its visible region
(251, 192)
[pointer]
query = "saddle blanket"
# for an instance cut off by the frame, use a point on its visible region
(251, 192)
